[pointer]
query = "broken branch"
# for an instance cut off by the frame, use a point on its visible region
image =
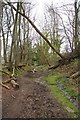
(4, 86)
(14, 84)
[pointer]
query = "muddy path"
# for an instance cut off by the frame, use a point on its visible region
(32, 100)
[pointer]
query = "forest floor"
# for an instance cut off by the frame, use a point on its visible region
(33, 99)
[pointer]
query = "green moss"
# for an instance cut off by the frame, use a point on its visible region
(18, 72)
(59, 79)
(71, 91)
(27, 67)
(52, 79)
(63, 81)
(76, 62)
(21, 71)
(62, 99)
(41, 67)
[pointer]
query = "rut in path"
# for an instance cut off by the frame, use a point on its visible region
(31, 100)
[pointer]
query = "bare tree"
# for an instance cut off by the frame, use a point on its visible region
(13, 40)
(36, 30)
(53, 27)
(76, 39)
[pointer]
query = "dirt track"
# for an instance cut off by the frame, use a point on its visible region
(31, 100)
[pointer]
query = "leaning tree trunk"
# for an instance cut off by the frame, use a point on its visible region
(67, 58)
(37, 30)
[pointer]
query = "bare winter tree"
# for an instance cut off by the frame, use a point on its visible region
(76, 39)
(53, 27)
(38, 31)
(16, 34)
(69, 29)
(20, 33)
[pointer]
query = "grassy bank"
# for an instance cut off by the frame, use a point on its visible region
(52, 82)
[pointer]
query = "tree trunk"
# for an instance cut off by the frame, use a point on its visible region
(67, 58)
(76, 40)
(13, 41)
(37, 30)
(4, 41)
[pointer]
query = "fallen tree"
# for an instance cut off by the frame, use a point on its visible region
(12, 80)
(4, 72)
(37, 30)
(68, 57)
(63, 59)
(4, 85)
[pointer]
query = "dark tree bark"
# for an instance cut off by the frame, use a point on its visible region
(4, 46)
(67, 58)
(76, 26)
(13, 40)
(4, 42)
(64, 59)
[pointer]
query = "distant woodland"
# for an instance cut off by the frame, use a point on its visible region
(24, 43)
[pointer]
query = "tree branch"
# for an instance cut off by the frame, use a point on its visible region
(37, 30)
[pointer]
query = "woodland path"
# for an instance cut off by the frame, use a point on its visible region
(32, 100)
